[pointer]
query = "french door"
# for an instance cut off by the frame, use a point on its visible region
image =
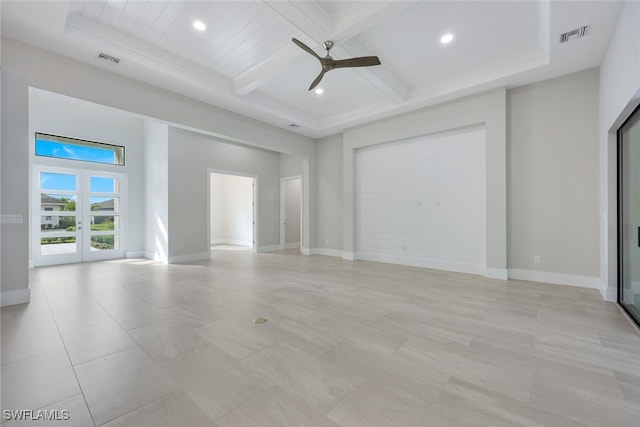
(78, 215)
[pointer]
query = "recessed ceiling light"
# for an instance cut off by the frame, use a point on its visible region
(199, 25)
(446, 38)
(319, 91)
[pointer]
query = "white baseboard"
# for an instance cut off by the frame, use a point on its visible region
(609, 293)
(496, 273)
(458, 267)
(188, 258)
(292, 245)
(349, 256)
(19, 296)
(155, 257)
(555, 278)
(268, 248)
(327, 252)
(306, 251)
(230, 242)
(136, 254)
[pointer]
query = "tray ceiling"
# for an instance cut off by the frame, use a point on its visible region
(244, 60)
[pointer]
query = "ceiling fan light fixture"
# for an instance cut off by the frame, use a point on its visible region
(447, 38)
(319, 91)
(199, 25)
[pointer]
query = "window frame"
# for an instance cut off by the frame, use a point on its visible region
(118, 150)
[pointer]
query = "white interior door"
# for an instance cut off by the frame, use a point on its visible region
(78, 215)
(291, 213)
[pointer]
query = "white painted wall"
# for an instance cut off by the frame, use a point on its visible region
(422, 202)
(191, 155)
(231, 209)
(329, 196)
(619, 96)
(487, 109)
(216, 208)
(553, 202)
(290, 165)
(292, 201)
(156, 183)
(61, 115)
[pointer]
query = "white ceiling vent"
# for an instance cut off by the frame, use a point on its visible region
(104, 57)
(574, 34)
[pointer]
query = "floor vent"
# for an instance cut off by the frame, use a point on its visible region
(108, 58)
(574, 34)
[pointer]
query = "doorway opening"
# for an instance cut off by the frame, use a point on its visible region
(232, 211)
(291, 213)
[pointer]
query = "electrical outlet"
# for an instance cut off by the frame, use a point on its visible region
(536, 259)
(326, 242)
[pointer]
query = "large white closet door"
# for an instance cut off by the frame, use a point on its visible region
(422, 202)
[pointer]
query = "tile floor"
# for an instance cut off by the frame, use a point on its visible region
(136, 343)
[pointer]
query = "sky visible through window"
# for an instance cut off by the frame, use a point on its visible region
(67, 182)
(70, 151)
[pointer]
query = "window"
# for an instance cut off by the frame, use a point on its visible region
(61, 147)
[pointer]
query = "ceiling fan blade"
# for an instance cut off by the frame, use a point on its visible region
(364, 61)
(317, 80)
(305, 47)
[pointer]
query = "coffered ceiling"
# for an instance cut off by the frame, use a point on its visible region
(245, 61)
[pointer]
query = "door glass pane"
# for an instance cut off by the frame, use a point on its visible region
(57, 202)
(104, 185)
(57, 245)
(629, 196)
(107, 242)
(57, 181)
(57, 223)
(105, 223)
(111, 204)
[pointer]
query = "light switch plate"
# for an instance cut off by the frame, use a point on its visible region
(10, 219)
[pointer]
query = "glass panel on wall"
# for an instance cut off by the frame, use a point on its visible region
(57, 181)
(629, 216)
(105, 242)
(58, 245)
(57, 202)
(105, 204)
(105, 223)
(57, 223)
(104, 185)
(61, 147)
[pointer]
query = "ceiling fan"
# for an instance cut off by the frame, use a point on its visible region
(328, 63)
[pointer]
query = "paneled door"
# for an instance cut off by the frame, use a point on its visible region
(78, 215)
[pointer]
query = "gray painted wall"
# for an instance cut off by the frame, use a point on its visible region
(553, 156)
(619, 96)
(329, 195)
(191, 155)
